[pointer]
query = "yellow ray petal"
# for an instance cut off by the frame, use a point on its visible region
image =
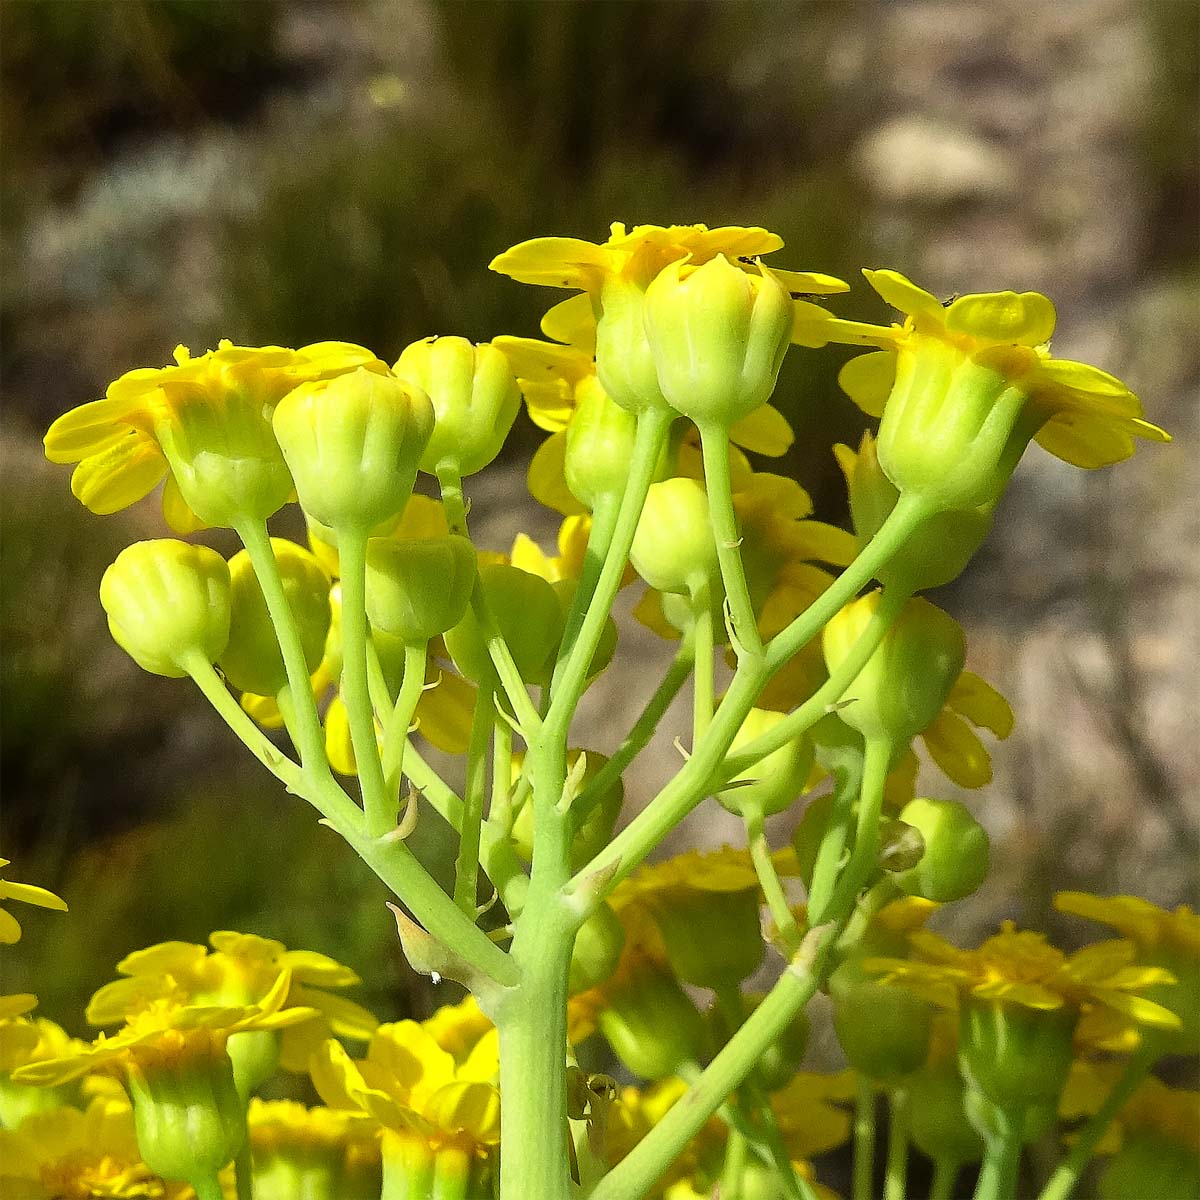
(765, 431)
(1023, 318)
(119, 476)
(952, 744)
(868, 380)
(976, 699)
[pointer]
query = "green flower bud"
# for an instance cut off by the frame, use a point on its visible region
(252, 661)
(955, 861)
(624, 363)
(353, 443)
(418, 588)
(166, 601)
(956, 424)
(598, 946)
(190, 1119)
(906, 681)
(718, 335)
(599, 444)
(225, 459)
(255, 1058)
(528, 615)
(651, 1024)
(674, 548)
(937, 551)
(939, 1124)
(774, 782)
(475, 399)
(731, 947)
(884, 1029)
(1149, 1164)
(1015, 1056)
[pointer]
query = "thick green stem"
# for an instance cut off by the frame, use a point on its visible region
(378, 803)
(1066, 1177)
(311, 743)
(863, 1182)
(466, 871)
(768, 878)
(395, 736)
(243, 1173)
(532, 1023)
(895, 1184)
(714, 443)
(636, 1174)
(736, 1155)
(570, 675)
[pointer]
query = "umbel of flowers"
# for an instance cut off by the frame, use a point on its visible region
(816, 673)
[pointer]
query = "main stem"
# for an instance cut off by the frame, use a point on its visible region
(863, 1185)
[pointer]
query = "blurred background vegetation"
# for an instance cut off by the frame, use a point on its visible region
(284, 171)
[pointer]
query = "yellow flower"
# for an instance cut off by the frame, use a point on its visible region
(1081, 414)
(240, 969)
(1170, 940)
(615, 276)
(118, 441)
(75, 1154)
(436, 1116)
(27, 893)
(1020, 967)
(166, 1032)
(810, 1115)
(459, 1028)
(640, 253)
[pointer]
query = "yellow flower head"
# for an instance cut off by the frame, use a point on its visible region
(27, 893)
(241, 968)
(76, 1154)
(1150, 927)
(408, 1084)
(282, 1125)
(1081, 414)
(167, 1032)
(1020, 967)
(117, 441)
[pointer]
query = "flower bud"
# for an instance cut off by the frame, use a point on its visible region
(718, 335)
(599, 444)
(936, 552)
(353, 443)
(475, 399)
(624, 363)
(190, 1119)
(527, 614)
(252, 661)
(884, 1029)
(955, 861)
(774, 782)
(904, 684)
(674, 548)
(598, 946)
(732, 945)
(939, 1126)
(167, 600)
(418, 588)
(651, 1024)
(1015, 1056)
(956, 424)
